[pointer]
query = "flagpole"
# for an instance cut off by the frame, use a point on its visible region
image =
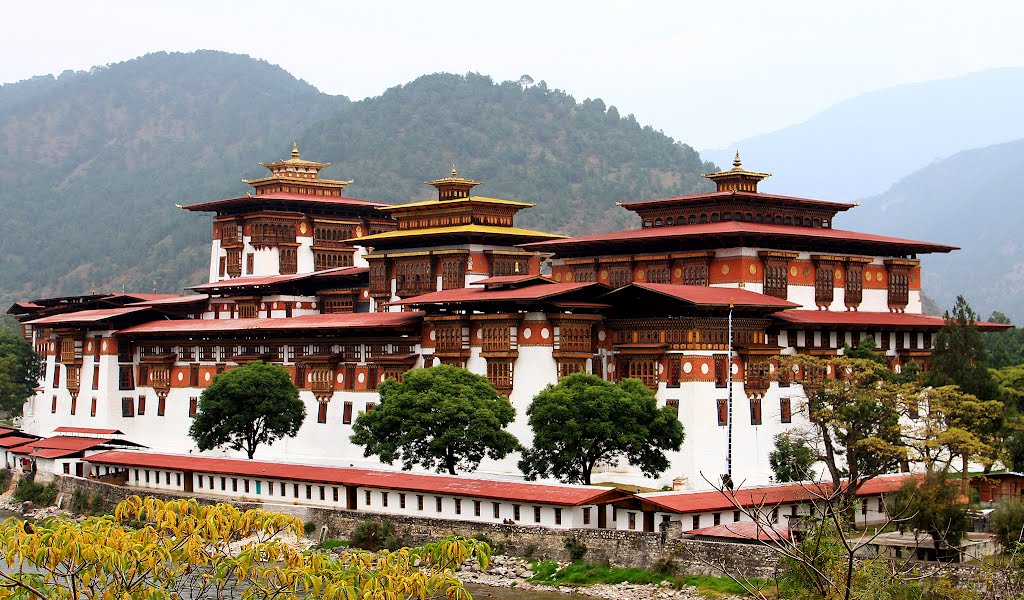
(728, 416)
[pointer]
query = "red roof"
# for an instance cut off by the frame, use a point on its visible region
(735, 229)
(374, 320)
(89, 430)
(690, 502)
(872, 319)
(711, 296)
(743, 530)
(173, 300)
(533, 292)
(755, 196)
(62, 442)
(395, 480)
(13, 441)
(249, 282)
(87, 316)
(507, 279)
(284, 196)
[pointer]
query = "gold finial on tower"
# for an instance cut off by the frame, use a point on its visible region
(736, 162)
(295, 150)
(454, 172)
(737, 179)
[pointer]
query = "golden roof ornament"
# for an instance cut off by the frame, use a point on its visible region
(295, 150)
(736, 179)
(737, 164)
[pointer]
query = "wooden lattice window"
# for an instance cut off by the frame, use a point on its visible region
(230, 234)
(250, 263)
(899, 288)
(495, 338)
(499, 373)
(508, 265)
(248, 310)
(234, 262)
(643, 368)
(785, 410)
(755, 411)
(723, 412)
(125, 377)
(776, 279)
(266, 233)
(758, 375)
(721, 370)
(127, 406)
(824, 284)
(339, 304)
(328, 259)
(379, 283)
(414, 277)
(620, 276)
(854, 292)
(695, 273)
(570, 366)
(453, 272)
(658, 273)
(289, 263)
(584, 273)
(574, 338)
(449, 339)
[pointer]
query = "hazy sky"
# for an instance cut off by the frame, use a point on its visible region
(707, 73)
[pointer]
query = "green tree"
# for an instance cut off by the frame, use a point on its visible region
(20, 369)
(932, 504)
(792, 458)
(1007, 521)
(583, 420)
(854, 409)
(251, 405)
(442, 418)
(959, 356)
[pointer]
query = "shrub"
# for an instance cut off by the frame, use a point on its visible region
(36, 493)
(576, 549)
(5, 479)
(1007, 521)
(373, 535)
(308, 527)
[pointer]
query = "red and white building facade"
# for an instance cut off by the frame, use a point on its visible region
(345, 293)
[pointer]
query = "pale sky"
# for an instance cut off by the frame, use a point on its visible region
(706, 73)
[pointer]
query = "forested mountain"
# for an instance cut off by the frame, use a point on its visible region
(525, 142)
(861, 146)
(92, 164)
(968, 200)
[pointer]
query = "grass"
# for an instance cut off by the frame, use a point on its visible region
(581, 573)
(328, 544)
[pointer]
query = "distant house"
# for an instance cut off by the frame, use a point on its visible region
(996, 487)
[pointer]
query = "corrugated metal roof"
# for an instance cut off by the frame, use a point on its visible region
(305, 322)
(87, 316)
(564, 495)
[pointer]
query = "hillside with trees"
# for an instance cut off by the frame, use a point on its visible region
(92, 163)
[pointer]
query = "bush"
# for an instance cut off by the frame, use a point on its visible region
(85, 504)
(308, 527)
(374, 535)
(36, 493)
(1007, 521)
(576, 549)
(328, 544)
(5, 480)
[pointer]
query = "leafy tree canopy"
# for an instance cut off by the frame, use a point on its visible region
(251, 405)
(933, 505)
(20, 369)
(442, 418)
(792, 458)
(185, 550)
(959, 356)
(583, 420)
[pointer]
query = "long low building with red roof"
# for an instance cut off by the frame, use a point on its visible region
(699, 301)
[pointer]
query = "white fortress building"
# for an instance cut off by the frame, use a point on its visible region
(345, 293)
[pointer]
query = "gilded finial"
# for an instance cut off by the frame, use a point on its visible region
(295, 150)
(454, 172)
(736, 163)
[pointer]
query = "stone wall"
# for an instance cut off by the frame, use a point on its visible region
(616, 548)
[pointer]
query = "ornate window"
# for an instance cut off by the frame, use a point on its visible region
(620, 275)
(643, 368)
(824, 286)
(854, 292)
(755, 411)
(695, 273)
(414, 277)
(339, 304)
(658, 273)
(289, 264)
(379, 283)
(776, 282)
(509, 265)
(899, 288)
(568, 367)
(496, 338)
(331, 259)
(453, 272)
(584, 273)
(234, 262)
(723, 411)
(499, 373)
(721, 370)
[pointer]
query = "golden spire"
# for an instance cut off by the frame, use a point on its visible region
(454, 172)
(736, 162)
(295, 150)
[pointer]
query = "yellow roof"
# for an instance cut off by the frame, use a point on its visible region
(477, 199)
(454, 229)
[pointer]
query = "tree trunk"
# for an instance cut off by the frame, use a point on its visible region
(965, 480)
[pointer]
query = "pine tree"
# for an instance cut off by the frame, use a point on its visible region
(959, 357)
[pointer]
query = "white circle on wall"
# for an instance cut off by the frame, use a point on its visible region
(263, 306)
(103, 345)
(527, 333)
(341, 378)
(309, 377)
(181, 376)
(661, 368)
(206, 376)
(383, 377)
(611, 367)
(898, 369)
(361, 377)
(735, 369)
(544, 333)
(312, 304)
(433, 335)
(771, 367)
(479, 334)
(275, 306)
(828, 369)
(704, 368)
(88, 347)
(796, 368)
(601, 336)
(687, 367)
